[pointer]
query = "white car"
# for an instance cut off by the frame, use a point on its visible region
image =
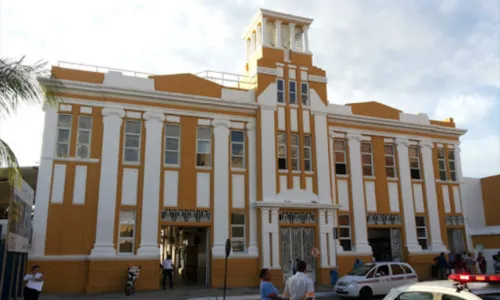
(458, 287)
(375, 279)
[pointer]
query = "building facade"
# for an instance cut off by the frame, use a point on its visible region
(137, 167)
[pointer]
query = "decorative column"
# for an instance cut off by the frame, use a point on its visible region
(106, 206)
(292, 35)
(460, 180)
(334, 244)
(151, 184)
(252, 188)
(43, 181)
(331, 151)
(407, 196)
(266, 230)
(275, 237)
(358, 195)
(322, 161)
(305, 29)
(268, 145)
(430, 192)
(458, 163)
(247, 47)
(277, 24)
(221, 182)
(263, 34)
(253, 43)
(258, 35)
(324, 228)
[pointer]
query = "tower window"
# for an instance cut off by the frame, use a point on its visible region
(414, 162)
(304, 91)
(281, 90)
(421, 225)
(442, 165)
(451, 163)
(282, 165)
(132, 145)
(292, 91)
(172, 144)
(237, 149)
(63, 135)
(390, 161)
(307, 153)
(340, 157)
(367, 159)
(295, 152)
(204, 147)
(84, 136)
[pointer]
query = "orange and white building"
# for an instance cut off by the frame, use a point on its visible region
(134, 167)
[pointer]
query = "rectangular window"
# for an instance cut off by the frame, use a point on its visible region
(414, 155)
(304, 91)
(340, 157)
(126, 234)
(344, 232)
(132, 145)
(367, 159)
(172, 144)
(292, 92)
(84, 136)
(421, 231)
(282, 165)
(63, 135)
(295, 152)
(390, 161)
(442, 165)
(238, 232)
(307, 153)
(281, 90)
(451, 164)
(204, 147)
(238, 149)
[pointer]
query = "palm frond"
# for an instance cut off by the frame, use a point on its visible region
(9, 160)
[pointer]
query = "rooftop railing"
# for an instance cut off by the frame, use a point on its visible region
(101, 69)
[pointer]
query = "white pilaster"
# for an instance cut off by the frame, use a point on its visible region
(358, 195)
(253, 43)
(430, 192)
(266, 244)
(263, 27)
(292, 35)
(331, 151)
(258, 35)
(105, 228)
(305, 29)
(458, 163)
(275, 237)
(322, 163)
(247, 47)
(406, 193)
(324, 228)
(277, 24)
(333, 244)
(221, 182)
(252, 188)
(151, 186)
(44, 180)
(268, 145)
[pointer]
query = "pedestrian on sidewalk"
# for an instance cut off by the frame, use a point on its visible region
(267, 289)
(33, 283)
(168, 272)
(299, 286)
(481, 261)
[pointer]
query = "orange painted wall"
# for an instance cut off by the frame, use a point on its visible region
(491, 197)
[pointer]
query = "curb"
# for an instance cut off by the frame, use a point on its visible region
(256, 297)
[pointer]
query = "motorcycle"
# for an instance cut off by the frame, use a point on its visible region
(133, 274)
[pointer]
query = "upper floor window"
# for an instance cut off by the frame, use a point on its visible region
(421, 231)
(172, 144)
(280, 85)
(340, 157)
(63, 135)
(282, 165)
(414, 162)
(84, 136)
(237, 149)
(295, 152)
(132, 148)
(126, 235)
(367, 159)
(307, 153)
(292, 92)
(304, 91)
(344, 232)
(238, 232)
(442, 165)
(451, 163)
(204, 147)
(390, 161)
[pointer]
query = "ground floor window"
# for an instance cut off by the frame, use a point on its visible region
(344, 232)
(126, 235)
(238, 232)
(422, 237)
(456, 240)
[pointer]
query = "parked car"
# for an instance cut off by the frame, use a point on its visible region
(375, 279)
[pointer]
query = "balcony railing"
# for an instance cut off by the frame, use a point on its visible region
(229, 79)
(101, 69)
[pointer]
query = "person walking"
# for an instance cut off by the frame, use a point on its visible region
(267, 289)
(168, 272)
(299, 286)
(469, 262)
(442, 266)
(33, 283)
(481, 261)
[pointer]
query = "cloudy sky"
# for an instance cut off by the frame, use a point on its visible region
(440, 57)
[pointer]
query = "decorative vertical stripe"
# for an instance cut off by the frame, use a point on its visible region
(80, 185)
(170, 188)
(129, 186)
(58, 183)
(203, 190)
(238, 190)
(456, 199)
(418, 197)
(309, 184)
(393, 196)
(305, 121)
(446, 198)
(343, 194)
(296, 182)
(371, 201)
(281, 118)
(293, 120)
(283, 183)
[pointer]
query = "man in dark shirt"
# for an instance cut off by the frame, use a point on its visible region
(442, 265)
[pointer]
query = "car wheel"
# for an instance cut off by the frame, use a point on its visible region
(365, 293)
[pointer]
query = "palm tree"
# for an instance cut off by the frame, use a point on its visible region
(19, 85)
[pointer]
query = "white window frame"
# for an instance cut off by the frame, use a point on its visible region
(453, 173)
(393, 155)
(363, 165)
(138, 148)
(131, 239)
(418, 160)
(443, 160)
(284, 156)
(426, 238)
(345, 157)
(242, 156)
(290, 93)
(178, 138)
(307, 136)
(297, 150)
(209, 140)
(239, 239)
(89, 130)
(345, 227)
(306, 94)
(68, 143)
(280, 92)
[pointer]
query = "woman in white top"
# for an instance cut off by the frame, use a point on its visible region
(33, 283)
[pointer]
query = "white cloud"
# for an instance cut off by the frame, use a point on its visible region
(481, 157)
(465, 109)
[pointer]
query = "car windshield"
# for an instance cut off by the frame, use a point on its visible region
(495, 296)
(361, 271)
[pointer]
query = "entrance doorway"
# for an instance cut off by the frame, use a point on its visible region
(386, 244)
(189, 248)
(297, 243)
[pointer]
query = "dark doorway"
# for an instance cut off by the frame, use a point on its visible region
(380, 241)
